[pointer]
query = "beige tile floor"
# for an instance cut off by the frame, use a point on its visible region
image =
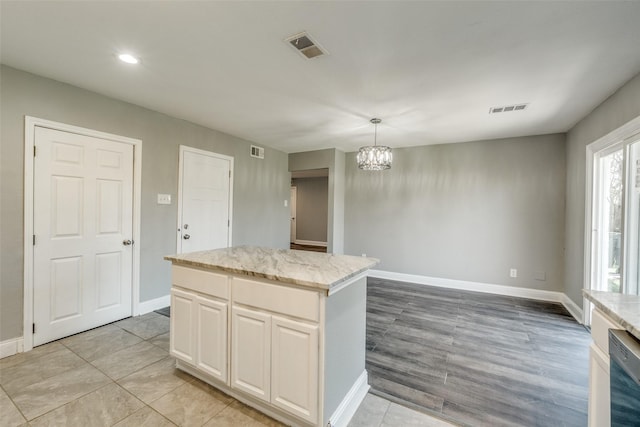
(122, 375)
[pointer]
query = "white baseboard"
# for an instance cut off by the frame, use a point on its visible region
(11, 347)
(573, 308)
(310, 243)
(489, 288)
(16, 345)
(154, 304)
(351, 402)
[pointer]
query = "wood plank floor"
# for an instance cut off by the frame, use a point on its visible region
(311, 248)
(477, 359)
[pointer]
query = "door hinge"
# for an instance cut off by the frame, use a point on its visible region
(34, 240)
(33, 328)
(229, 173)
(228, 223)
(34, 151)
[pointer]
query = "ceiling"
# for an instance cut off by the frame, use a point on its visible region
(429, 70)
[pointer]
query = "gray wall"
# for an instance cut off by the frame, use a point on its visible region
(311, 208)
(468, 211)
(260, 186)
(618, 109)
(345, 343)
(334, 160)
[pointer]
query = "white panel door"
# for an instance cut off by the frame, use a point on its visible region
(294, 367)
(212, 337)
(83, 219)
(182, 332)
(251, 352)
(205, 194)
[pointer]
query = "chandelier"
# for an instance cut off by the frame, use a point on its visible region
(374, 157)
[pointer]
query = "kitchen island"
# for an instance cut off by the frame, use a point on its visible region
(611, 311)
(280, 330)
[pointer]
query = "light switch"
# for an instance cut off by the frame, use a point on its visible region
(164, 199)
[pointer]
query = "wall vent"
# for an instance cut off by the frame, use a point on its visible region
(305, 45)
(257, 152)
(507, 108)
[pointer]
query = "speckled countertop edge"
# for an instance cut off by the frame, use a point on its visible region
(624, 309)
(307, 269)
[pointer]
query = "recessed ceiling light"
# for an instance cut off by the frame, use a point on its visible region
(128, 58)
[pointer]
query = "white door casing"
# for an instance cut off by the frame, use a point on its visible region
(82, 200)
(205, 194)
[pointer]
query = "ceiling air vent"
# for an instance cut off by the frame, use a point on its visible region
(507, 108)
(305, 45)
(257, 152)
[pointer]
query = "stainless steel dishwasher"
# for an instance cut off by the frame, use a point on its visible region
(624, 366)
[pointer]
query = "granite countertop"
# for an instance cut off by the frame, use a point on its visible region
(624, 309)
(309, 269)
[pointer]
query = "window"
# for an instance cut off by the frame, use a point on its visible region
(608, 219)
(615, 215)
(631, 227)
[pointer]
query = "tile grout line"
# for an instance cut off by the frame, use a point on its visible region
(112, 380)
(14, 404)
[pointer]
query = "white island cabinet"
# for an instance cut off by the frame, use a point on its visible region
(611, 311)
(599, 402)
(199, 320)
(283, 331)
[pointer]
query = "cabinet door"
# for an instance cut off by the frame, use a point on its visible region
(294, 367)
(599, 398)
(251, 352)
(182, 337)
(211, 318)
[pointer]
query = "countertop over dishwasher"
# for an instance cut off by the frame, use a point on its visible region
(309, 269)
(624, 309)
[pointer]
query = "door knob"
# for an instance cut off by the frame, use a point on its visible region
(127, 242)
(186, 237)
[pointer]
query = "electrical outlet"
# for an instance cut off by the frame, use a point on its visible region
(286, 203)
(513, 273)
(364, 255)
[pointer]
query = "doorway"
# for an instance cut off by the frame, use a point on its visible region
(81, 224)
(309, 209)
(293, 203)
(205, 194)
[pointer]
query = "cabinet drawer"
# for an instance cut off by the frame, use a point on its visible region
(206, 282)
(278, 299)
(600, 325)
